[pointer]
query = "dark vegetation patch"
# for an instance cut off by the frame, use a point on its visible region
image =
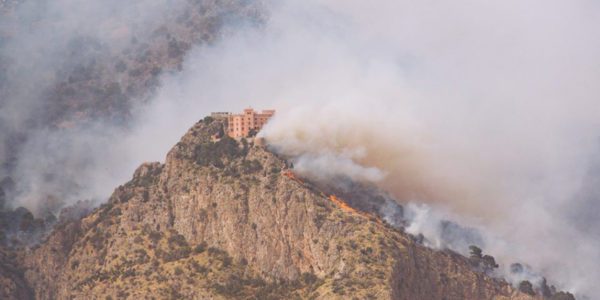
(251, 166)
(178, 249)
(484, 263)
(217, 153)
(245, 287)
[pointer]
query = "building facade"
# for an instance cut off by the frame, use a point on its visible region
(250, 121)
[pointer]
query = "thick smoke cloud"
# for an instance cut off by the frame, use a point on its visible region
(72, 75)
(44, 44)
(485, 113)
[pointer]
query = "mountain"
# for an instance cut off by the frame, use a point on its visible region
(227, 220)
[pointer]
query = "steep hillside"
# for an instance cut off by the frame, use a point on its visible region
(222, 220)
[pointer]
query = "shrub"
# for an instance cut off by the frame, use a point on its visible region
(210, 153)
(175, 294)
(221, 255)
(232, 287)
(308, 278)
(485, 263)
(97, 239)
(128, 273)
(489, 262)
(475, 251)
(366, 251)
(74, 264)
(200, 248)
(319, 220)
(251, 166)
(216, 251)
(231, 172)
(208, 119)
(244, 146)
(155, 236)
(227, 260)
(122, 295)
(202, 214)
(545, 289)
(338, 289)
(198, 268)
(221, 132)
(116, 212)
(177, 240)
(145, 196)
(178, 271)
(252, 132)
(353, 244)
(526, 287)
(174, 254)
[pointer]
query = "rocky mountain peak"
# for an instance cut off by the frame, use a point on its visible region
(223, 219)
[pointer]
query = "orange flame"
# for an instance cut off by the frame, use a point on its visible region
(289, 174)
(349, 209)
(335, 199)
(343, 205)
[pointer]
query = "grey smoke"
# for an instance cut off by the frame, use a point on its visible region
(43, 42)
(71, 86)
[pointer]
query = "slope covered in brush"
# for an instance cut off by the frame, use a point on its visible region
(221, 219)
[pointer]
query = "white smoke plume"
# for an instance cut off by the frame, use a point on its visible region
(487, 112)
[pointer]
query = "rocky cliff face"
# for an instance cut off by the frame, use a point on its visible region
(221, 220)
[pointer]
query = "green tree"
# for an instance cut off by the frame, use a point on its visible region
(526, 287)
(252, 133)
(475, 252)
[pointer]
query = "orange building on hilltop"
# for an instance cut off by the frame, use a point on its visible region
(250, 121)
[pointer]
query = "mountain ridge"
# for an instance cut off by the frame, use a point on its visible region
(234, 223)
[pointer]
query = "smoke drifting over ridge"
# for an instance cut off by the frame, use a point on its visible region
(72, 75)
(487, 112)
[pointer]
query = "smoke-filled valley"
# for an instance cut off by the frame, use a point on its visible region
(462, 123)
